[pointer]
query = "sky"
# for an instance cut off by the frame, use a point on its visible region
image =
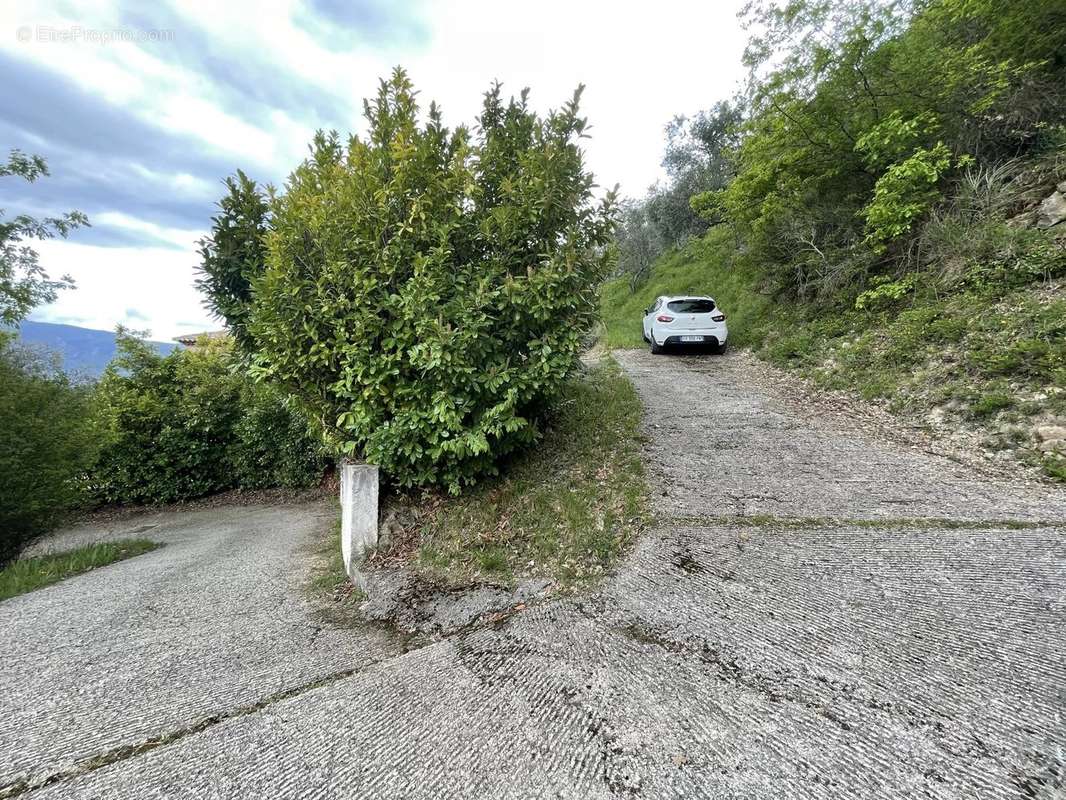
(142, 109)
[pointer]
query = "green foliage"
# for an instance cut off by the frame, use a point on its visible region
(860, 113)
(47, 439)
(1054, 465)
(894, 138)
(232, 257)
(708, 205)
(273, 444)
(426, 291)
(24, 283)
(28, 574)
(168, 421)
(991, 402)
(905, 192)
(189, 424)
(885, 293)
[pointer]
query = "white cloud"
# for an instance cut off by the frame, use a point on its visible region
(156, 282)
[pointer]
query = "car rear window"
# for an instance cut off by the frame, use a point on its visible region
(691, 306)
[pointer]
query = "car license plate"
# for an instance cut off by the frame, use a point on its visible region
(692, 338)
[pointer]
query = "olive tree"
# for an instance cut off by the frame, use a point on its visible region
(425, 290)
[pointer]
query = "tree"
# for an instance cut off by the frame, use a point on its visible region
(232, 257)
(862, 112)
(24, 283)
(426, 291)
(639, 242)
(698, 160)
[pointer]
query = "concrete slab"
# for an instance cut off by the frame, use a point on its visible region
(837, 662)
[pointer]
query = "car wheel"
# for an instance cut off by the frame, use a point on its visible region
(721, 348)
(655, 348)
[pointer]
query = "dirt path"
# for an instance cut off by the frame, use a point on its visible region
(816, 614)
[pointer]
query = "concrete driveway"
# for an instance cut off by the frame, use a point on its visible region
(815, 614)
(207, 627)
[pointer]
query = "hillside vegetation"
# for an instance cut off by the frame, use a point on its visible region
(888, 214)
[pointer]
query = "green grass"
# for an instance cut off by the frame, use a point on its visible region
(329, 572)
(27, 574)
(563, 510)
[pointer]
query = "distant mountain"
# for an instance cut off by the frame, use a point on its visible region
(84, 351)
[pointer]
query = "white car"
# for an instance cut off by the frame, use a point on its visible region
(687, 321)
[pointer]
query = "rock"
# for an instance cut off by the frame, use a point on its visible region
(1024, 220)
(1062, 187)
(1052, 211)
(1052, 446)
(1046, 433)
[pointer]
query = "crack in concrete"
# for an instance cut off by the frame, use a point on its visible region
(118, 754)
(411, 642)
(925, 523)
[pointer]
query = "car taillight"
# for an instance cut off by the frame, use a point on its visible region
(664, 318)
(719, 317)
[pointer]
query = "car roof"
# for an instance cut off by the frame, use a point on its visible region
(686, 297)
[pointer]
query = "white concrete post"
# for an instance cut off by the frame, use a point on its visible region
(359, 516)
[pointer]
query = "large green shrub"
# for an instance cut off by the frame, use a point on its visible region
(190, 424)
(46, 441)
(426, 291)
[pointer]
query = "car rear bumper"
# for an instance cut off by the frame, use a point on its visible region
(706, 339)
(715, 335)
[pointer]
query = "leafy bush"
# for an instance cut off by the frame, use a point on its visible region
(47, 440)
(905, 192)
(992, 402)
(273, 444)
(885, 293)
(425, 291)
(169, 421)
(188, 424)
